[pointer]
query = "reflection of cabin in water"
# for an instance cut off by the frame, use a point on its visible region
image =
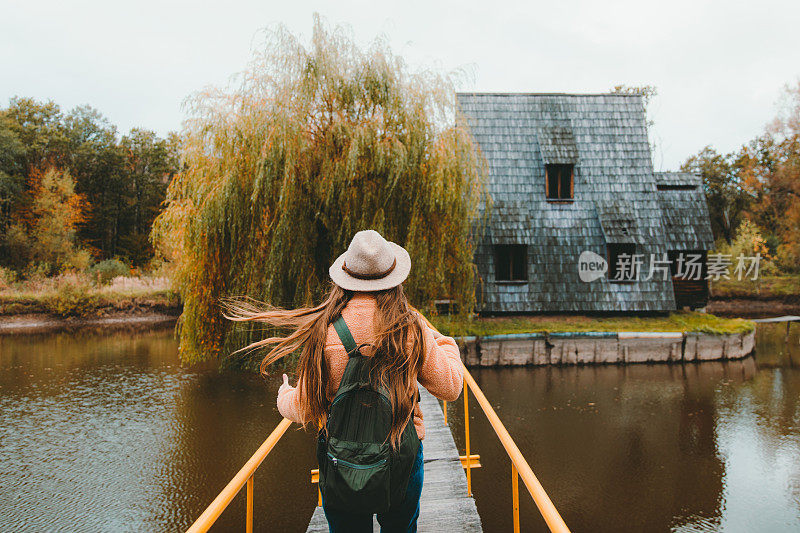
(570, 173)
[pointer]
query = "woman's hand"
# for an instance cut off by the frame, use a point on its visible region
(422, 317)
(436, 332)
(285, 385)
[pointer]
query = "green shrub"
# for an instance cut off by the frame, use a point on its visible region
(7, 277)
(79, 260)
(105, 271)
(72, 298)
(17, 245)
(158, 267)
(748, 242)
(39, 270)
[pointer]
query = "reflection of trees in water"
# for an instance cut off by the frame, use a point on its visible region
(773, 347)
(759, 442)
(47, 358)
(645, 445)
(617, 447)
(81, 417)
(87, 347)
(138, 440)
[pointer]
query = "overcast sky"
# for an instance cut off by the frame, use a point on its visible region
(719, 66)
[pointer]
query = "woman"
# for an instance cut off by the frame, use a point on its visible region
(367, 292)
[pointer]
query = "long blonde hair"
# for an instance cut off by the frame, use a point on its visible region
(399, 348)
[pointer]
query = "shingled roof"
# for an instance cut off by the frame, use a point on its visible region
(685, 212)
(677, 179)
(618, 222)
(615, 199)
(557, 145)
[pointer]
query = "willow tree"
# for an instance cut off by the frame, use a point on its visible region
(307, 147)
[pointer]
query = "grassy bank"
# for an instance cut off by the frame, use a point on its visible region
(78, 295)
(783, 288)
(679, 321)
(81, 295)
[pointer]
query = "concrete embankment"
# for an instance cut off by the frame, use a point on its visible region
(604, 348)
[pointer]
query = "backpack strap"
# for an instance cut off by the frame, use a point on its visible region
(346, 337)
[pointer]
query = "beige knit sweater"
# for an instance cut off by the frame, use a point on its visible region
(441, 372)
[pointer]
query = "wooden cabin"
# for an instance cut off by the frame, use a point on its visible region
(571, 173)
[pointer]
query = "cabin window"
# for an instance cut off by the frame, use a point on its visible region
(511, 262)
(622, 265)
(559, 181)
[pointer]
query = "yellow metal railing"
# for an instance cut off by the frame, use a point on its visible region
(519, 466)
(519, 469)
(243, 477)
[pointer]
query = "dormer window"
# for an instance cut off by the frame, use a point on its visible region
(559, 180)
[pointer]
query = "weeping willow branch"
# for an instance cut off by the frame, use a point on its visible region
(311, 145)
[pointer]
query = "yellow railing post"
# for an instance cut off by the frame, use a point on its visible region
(242, 478)
(515, 496)
(537, 492)
(466, 431)
(249, 522)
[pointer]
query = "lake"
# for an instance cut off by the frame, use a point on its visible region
(107, 432)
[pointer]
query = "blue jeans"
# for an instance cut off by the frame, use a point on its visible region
(400, 518)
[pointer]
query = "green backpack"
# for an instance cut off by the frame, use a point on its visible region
(359, 470)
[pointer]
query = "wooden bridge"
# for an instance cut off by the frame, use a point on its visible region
(446, 504)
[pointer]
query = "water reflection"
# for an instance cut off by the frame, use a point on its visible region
(699, 447)
(108, 432)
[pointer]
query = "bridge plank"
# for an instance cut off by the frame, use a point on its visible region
(445, 505)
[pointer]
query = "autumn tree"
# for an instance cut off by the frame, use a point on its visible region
(122, 179)
(39, 126)
(760, 183)
(31, 138)
(12, 176)
(45, 233)
(311, 145)
(773, 173)
(725, 193)
(149, 164)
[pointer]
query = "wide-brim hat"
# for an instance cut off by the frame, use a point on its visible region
(371, 263)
